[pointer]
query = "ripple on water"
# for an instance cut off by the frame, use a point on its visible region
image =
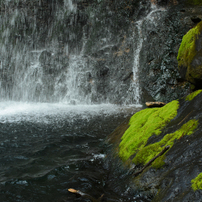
(47, 148)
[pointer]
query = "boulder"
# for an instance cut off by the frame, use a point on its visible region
(175, 175)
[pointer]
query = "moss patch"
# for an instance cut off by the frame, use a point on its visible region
(187, 49)
(187, 52)
(192, 95)
(150, 151)
(143, 125)
(197, 182)
(195, 2)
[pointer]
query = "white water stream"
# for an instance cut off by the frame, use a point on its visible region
(139, 38)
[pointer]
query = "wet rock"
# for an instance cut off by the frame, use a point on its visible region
(160, 77)
(196, 19)
(182, 162)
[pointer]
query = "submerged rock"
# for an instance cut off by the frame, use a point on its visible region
(172, 176)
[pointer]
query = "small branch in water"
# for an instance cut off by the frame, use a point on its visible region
(150, 162)
(74, 191)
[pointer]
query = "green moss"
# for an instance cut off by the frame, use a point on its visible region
(197, 182)
(150, 151)
(143, 125)
(192, 87)
(194, 73)
(195, 2)
(192, 95)
(187, 52)
(187, 49)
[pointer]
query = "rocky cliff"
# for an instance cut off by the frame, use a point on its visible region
(93, 51)
(166, 142)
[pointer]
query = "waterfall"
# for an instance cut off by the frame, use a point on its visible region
(49, 53)
(32, 68)
(42, 67)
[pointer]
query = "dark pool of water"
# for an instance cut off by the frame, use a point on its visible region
(46, 149)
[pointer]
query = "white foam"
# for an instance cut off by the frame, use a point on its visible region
(24, 110)
(98, 156)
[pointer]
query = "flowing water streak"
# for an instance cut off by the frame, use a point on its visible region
(76, 81)
(69, 4)
(29, 70)
(139, 38)
(136, 64)
(32, 78)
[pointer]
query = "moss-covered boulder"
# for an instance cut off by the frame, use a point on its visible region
(176, 175)
(143, 125)
(190, 56)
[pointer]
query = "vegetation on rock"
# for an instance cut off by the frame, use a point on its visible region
(187, 52)
(150, 151)
(192, 95)
(195, 2)
(187, 49)
(143, 125)
(197, 182)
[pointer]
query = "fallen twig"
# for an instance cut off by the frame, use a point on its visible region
(185, 118)
(74, 191)
(160, 154)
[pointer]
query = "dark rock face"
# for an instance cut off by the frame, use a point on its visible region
(87, 50)
(159, 68)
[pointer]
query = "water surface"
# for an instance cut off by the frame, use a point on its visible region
(47, 148)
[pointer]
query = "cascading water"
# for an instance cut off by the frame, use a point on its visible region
(32, 69)
(139, 39)
(45, 56)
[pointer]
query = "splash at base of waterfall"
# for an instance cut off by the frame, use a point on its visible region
(11, 109)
